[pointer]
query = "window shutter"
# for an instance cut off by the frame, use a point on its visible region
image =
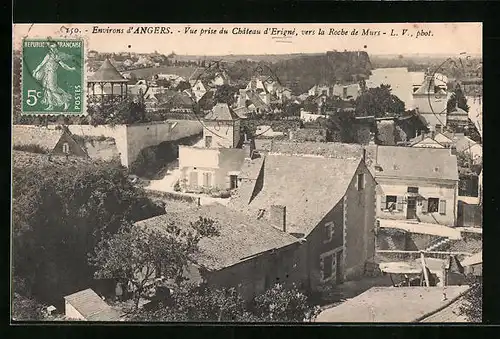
(399, 203)
(442, 206)
(383, 202)
(228, 181)
(356, 181)
(425, 206)
(322, 268)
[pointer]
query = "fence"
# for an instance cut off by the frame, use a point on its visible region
(389, 256)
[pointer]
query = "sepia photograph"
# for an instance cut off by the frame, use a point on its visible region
(247, 173)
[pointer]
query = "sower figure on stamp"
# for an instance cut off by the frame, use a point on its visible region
(46, 73)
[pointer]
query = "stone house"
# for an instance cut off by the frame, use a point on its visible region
(217, 161)
(418, 184)
(430, 101)
(330, 205)
(247, 254)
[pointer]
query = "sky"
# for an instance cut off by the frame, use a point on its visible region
(447, 38)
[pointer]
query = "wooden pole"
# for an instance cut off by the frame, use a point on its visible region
(422, 259)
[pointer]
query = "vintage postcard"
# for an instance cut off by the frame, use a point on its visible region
(247, 172)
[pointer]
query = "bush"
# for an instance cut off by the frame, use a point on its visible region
(31, 148)
(177, 187)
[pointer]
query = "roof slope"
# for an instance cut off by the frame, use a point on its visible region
(429, 87)
(464, 143)
(221, 112)
(416, 162)
(307, 197)
(42, 136)
(393, 304)
(239, 236)
(474, 259)
(91, 306)
(107, 73)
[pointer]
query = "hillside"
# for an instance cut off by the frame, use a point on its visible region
(303, 72)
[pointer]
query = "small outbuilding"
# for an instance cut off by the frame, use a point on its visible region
(87, 305)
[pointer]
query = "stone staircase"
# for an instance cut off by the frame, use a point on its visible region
(438, 243)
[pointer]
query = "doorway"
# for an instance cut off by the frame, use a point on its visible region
(193, 179)
(233, 179)
(411, 208)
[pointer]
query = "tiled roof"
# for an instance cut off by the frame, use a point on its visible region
(415, 162)
(464, 143)
(107, 73)
(256, 100)
(239, 236)
(428, 87)
(393, 304)
(221, 112)
(473, 259)
(308, 197)
(91, 306)
(459, 111)
(335, 150)
(42, 136)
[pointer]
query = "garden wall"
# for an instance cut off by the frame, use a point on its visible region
(131, 139)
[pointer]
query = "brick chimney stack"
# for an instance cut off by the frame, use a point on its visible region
(278, 217)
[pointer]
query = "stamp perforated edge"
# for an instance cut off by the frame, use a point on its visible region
(85, 41)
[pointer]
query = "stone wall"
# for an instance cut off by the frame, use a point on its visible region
(131, 139)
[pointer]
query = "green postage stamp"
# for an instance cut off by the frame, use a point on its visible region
(53, 77)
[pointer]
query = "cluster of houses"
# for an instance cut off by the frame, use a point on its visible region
(305, 212)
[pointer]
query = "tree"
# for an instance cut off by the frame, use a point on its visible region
(379, 102)
(138, 256)
(202, 303)
(182, 86)
(59, 213)
(117, 110)
(225, 94)
(473, 306)
(457, 99)
(24, 308)
(198, 303)
(285, 305)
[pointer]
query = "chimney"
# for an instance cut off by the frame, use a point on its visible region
(364, 154)
(278, 217)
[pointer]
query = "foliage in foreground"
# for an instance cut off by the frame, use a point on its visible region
(191, 303)
(59, 214)
(138, 256)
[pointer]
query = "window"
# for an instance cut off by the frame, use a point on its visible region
(390, 202)
(433, 205)
(438, 128)
(442, 207)
(65, 148)
(207, 179)
(329, 231)
(208, 141)
(361, 181)
(344, 92)
(327, 263)
(412, 190)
